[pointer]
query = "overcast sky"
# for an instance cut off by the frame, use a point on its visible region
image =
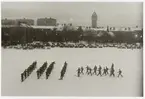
(79, 13)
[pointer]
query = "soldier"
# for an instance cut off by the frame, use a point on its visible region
(38, 73)
(100, 68)
(82, 69)
(90, 71)
(112, 70)
(120, 73)
(25, 73)
(104, 71)
(107, 70)
(22, 77)
(95, 70)
(87, 71)
(78, 72)
(63, 71)
(29, 70)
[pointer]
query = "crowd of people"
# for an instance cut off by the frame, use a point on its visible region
(98, 71)
(48, 45)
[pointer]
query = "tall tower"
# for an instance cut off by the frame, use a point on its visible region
(94, 20)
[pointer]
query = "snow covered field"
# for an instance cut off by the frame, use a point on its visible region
(15, 61)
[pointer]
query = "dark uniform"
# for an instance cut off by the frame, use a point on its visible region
(107, 70)
(112, 71)
(87, 71)
(104, 71)
(38, 74)
(120, 73)
(22, 77)
(82, 70)
(100, 73)
(95, 70)
(25, 74)
(90, 71)
(78, 72)
(63, 71)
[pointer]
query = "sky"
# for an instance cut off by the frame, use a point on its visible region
(77, 13)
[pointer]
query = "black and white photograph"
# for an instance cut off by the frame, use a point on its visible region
(82, 49)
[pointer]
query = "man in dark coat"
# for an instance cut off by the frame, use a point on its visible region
(82, 70)
(87, 71)
(25, 73)
(120, 73)
(78, 72)
(100, 73)
(22, 77)
(104, 71)
(107, 70)
(95, 70)
(112, 70)
(38, 73)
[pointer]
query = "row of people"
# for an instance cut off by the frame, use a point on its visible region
(48, 45)
(41, 70)
(50, 69)
(99, 71)
(28, 71)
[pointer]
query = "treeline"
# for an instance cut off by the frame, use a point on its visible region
(17, 35)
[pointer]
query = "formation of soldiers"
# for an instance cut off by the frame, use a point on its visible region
(49, 70)
(41, 70)
(98, 71)
(28, 71)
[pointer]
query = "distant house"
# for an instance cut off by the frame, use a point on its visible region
(26, 21)
(8, 21)
(46, 22)
(11, 22)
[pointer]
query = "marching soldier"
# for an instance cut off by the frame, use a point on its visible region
(95, 70)
(22, 77)
(100, 68)
(104, 71)
(38, 74)
(112, 71)
(90, 71)
(107, 70)
(82, 69)
(87, 71)
(78, 72)
(120, 73)
(25, 73)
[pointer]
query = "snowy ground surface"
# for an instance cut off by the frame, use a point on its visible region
(15, 61)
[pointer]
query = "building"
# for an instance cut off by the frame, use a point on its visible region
(94, 20)
(8, 22)
(26, 21)
(46, 22)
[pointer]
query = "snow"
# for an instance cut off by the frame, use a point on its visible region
(14, 62)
